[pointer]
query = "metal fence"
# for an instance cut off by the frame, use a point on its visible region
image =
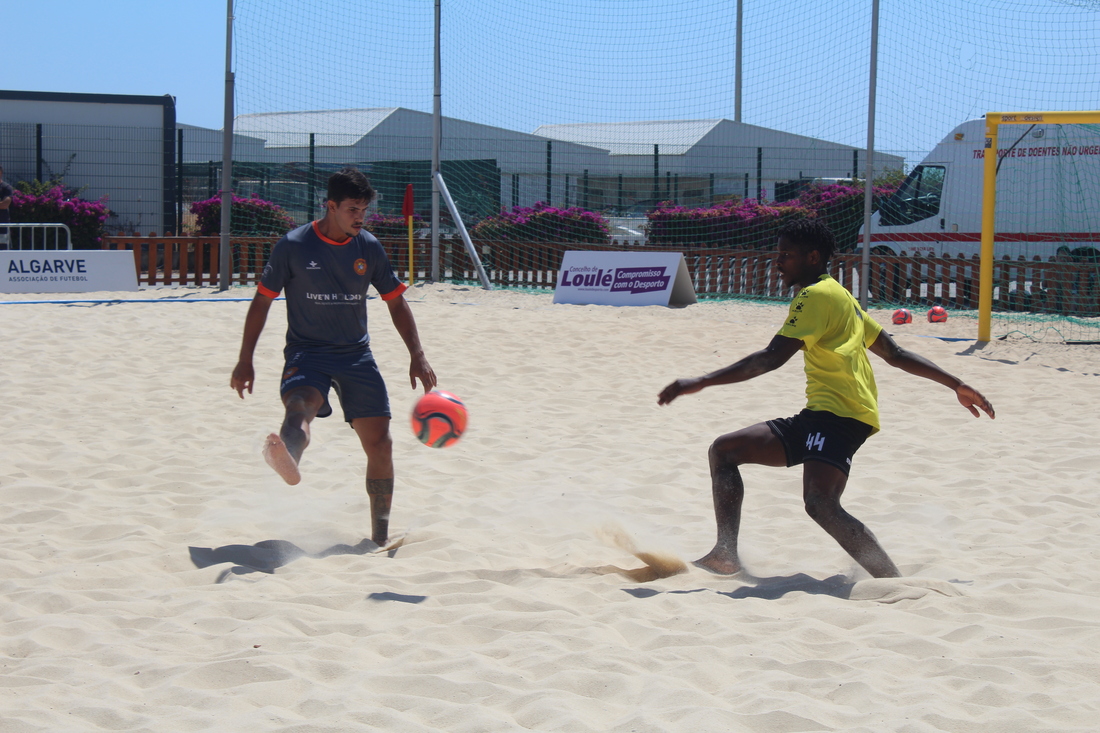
(35, 235)
(149, 178)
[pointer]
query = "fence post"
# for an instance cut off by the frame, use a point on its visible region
(179, 182)
(215, 261)
(38, 152)
(169, 256)
(723, 273)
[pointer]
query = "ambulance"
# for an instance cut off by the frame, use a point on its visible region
(1048, 195)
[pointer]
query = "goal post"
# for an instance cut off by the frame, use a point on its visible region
(993, 121)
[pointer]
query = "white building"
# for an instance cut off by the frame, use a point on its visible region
(695, 162)
(117, 146)
(485, 167)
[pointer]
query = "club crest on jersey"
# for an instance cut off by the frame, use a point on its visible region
(360, 266)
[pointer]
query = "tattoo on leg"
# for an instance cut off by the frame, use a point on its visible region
(380, 486)
(380, 491)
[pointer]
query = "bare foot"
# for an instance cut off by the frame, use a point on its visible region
(719, 563)
(279, 458)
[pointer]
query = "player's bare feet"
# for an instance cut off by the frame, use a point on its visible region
(719, 562)
(279, 458)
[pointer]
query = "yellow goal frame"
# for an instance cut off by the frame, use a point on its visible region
(993, 121)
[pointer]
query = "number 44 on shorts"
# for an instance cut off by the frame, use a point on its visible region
(815, 440)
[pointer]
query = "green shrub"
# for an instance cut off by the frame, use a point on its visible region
(52, 203)
(752, 224)
(543, 223)
(251, 216)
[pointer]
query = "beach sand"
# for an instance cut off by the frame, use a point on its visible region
(156, 575)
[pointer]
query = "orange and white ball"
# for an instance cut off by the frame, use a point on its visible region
(439, 419)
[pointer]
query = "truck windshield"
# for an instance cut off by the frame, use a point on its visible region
(917, 198)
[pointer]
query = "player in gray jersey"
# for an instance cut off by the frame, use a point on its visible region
(325, 268)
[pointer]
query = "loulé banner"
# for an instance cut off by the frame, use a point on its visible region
(67, 271)
(624, 278)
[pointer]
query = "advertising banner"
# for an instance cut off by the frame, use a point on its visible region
(66, 271)
(624, 278)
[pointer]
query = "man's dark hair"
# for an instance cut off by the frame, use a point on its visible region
(810, 234)
(349, 183)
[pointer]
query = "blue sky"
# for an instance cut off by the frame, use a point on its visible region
(518, 65)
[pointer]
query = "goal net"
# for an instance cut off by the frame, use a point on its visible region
(1041, 226)
(644, 123)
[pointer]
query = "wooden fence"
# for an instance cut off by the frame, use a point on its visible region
(1021, 285)
(192, 260)
(1070, 288)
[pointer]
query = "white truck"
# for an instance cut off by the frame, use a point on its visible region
(1048, 195)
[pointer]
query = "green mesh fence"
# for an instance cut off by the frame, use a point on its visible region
(615, 123)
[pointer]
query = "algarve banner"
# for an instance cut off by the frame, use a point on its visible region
(624, 278)
(66, 271)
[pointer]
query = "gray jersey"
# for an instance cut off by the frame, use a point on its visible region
(326, 287)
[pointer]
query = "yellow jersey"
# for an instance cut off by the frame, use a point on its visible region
(835, 333)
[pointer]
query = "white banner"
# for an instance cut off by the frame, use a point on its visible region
(624, 278)
(66, 271)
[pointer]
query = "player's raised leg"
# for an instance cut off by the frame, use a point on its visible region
(754, 444)
(283, 452)
(822, 485)
(374, 435)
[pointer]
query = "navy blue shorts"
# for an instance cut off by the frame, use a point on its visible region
(355, 377)
(817, 435)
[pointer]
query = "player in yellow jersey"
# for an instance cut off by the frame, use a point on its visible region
(834, 333)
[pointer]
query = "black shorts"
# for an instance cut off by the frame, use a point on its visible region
(354, 376)
(816, 435)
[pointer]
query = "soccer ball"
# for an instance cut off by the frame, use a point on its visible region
(901, 315)
(439, 419)
(938, 314)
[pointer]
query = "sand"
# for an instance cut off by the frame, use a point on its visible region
(156, 575)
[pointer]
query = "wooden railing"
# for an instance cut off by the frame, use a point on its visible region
(192, 260)
(1023, 285)
(1018, 285)
(1062, 287)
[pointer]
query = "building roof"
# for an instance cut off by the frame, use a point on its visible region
(331, 127)
(674, 137)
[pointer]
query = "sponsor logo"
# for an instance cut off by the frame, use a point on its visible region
(290, 372)
(360, 266)
(313, 266)
(334, 298)
(640, 280)
(57, 266)
(622, 280)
